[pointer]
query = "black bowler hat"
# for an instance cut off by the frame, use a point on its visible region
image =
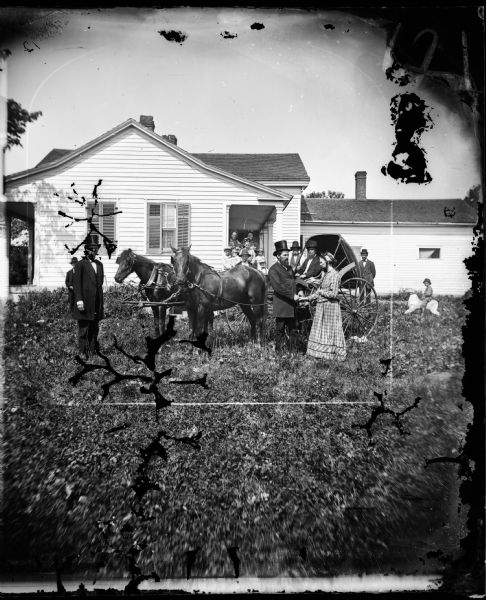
(311, 244)
(92, 240)
(295, 246)
(280, 247)
(74, 260)
(364, 251)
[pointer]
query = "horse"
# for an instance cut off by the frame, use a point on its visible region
(158, 279)
(205, 290)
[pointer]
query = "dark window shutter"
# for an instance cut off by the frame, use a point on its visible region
(183, 224)
(154, 227)
(108, 222)
(97, 209)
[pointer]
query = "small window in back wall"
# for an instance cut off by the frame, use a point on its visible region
(429, 253)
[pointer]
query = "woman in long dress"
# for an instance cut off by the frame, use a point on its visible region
(326, 339)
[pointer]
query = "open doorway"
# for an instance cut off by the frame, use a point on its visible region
(20, 219)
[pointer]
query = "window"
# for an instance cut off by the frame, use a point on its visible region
(168, 225)
(427, 253)
(105, 224)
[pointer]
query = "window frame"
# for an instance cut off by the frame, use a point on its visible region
(100, 204)
(160, 249)
(429, 257)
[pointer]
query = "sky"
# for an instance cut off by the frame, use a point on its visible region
(293, 86)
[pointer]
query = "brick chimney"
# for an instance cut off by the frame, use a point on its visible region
(171, 138)
(147, 121)
(360, 177)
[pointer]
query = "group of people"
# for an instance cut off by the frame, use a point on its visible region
(286, 276)
(246, 253)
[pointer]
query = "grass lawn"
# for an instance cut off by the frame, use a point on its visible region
(296, 487)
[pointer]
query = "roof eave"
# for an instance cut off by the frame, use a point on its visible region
(410, 223)
(132, 123)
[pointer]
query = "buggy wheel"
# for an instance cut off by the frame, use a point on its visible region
(359, 307)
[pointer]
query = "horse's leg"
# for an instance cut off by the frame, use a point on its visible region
(155, 311)
(250, 315)
(162, 318)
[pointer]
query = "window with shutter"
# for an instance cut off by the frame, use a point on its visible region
(104, 219)
(167, 225)
(183, 231)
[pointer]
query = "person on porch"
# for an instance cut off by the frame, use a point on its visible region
(88, 297)
(234, 241)
(260, 262)
(250, 239)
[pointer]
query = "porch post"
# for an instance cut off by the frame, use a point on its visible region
(226, 232)
(278, 224)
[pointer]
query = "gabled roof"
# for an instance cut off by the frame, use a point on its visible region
(52, 156)
(63, 156)
(387, 211)
(259, 167)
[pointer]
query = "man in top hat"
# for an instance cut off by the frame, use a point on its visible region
(69, 283)
(311, 267)
(282, 281)
(367, 272)
(295, 255)
(88, 296)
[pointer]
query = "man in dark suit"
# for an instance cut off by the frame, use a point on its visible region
(311, 267)
(88, 297)
(69, 283)
(367, 272)
(282, 281)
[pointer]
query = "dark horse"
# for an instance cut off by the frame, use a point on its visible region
(205, 290)
(159, 276)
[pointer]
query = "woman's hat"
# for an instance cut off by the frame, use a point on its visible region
(426, 280)
(280, 247)
(295, 246)
(92, 240)
(74, 260)
(327, 256)
(228, 248)
(311, 244)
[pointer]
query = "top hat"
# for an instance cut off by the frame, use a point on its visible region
(295, 246)
(311, 244)
(427, 280)
(73, 261)
(92, 240)
(364, 251)
(280, 247)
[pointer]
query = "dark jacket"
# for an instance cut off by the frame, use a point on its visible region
(283, 284)
(368, 272)
(69, 285)
(314, 269)
(88, 287)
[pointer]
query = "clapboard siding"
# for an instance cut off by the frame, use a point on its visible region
(395, 254)
(291, 220)
(135, 170)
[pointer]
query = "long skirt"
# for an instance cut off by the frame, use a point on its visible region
(326, 339)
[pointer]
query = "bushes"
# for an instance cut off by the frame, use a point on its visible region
(271, 479)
